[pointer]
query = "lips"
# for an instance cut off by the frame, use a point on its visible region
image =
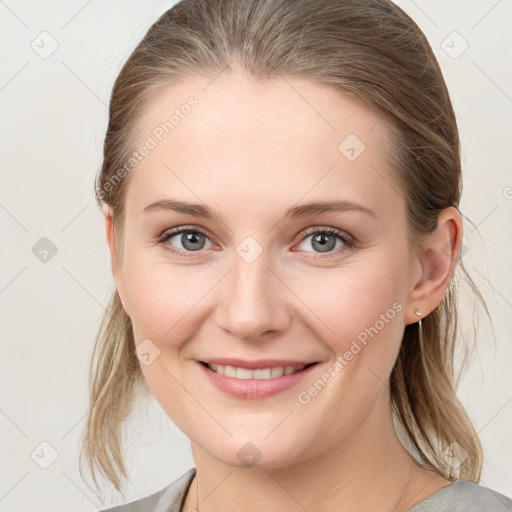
(258, 373)
(255, 365)
(255, 387)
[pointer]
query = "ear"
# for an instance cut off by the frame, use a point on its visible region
(438, 259)
(117, 270)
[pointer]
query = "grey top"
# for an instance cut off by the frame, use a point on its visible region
(459, 496)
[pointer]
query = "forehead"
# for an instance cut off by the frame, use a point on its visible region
(276, 140)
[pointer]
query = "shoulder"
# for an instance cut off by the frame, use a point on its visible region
(168, 499)
(463, 496)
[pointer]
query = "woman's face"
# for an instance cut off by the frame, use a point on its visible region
(257, 275)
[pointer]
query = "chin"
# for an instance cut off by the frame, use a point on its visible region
(253, 452)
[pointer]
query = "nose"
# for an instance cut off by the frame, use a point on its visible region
(253, 301)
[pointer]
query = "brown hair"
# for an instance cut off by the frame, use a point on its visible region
(369, 49)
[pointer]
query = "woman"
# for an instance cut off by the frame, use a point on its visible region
(280, 189)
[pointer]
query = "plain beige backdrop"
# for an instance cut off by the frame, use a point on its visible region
(58, 63)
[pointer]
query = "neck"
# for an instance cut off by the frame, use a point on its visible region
(368, 469)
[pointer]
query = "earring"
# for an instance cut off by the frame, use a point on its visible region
(418, 313)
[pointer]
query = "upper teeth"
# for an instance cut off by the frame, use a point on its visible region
(260, 373)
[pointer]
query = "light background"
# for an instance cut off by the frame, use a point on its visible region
(53, 119)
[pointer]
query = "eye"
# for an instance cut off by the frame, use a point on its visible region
(325, 240)
(183, 240)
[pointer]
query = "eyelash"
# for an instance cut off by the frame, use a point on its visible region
(348, 242)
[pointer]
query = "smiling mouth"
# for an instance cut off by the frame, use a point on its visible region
(259, 373)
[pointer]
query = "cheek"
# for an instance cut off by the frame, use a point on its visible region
(163, 299)
(347, 301)
(358, 314)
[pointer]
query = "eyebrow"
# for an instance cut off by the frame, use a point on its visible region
(302, 210)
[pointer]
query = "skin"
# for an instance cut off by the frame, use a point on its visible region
(251, 151)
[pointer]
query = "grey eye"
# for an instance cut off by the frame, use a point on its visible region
(190, 240)
(321, 242)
